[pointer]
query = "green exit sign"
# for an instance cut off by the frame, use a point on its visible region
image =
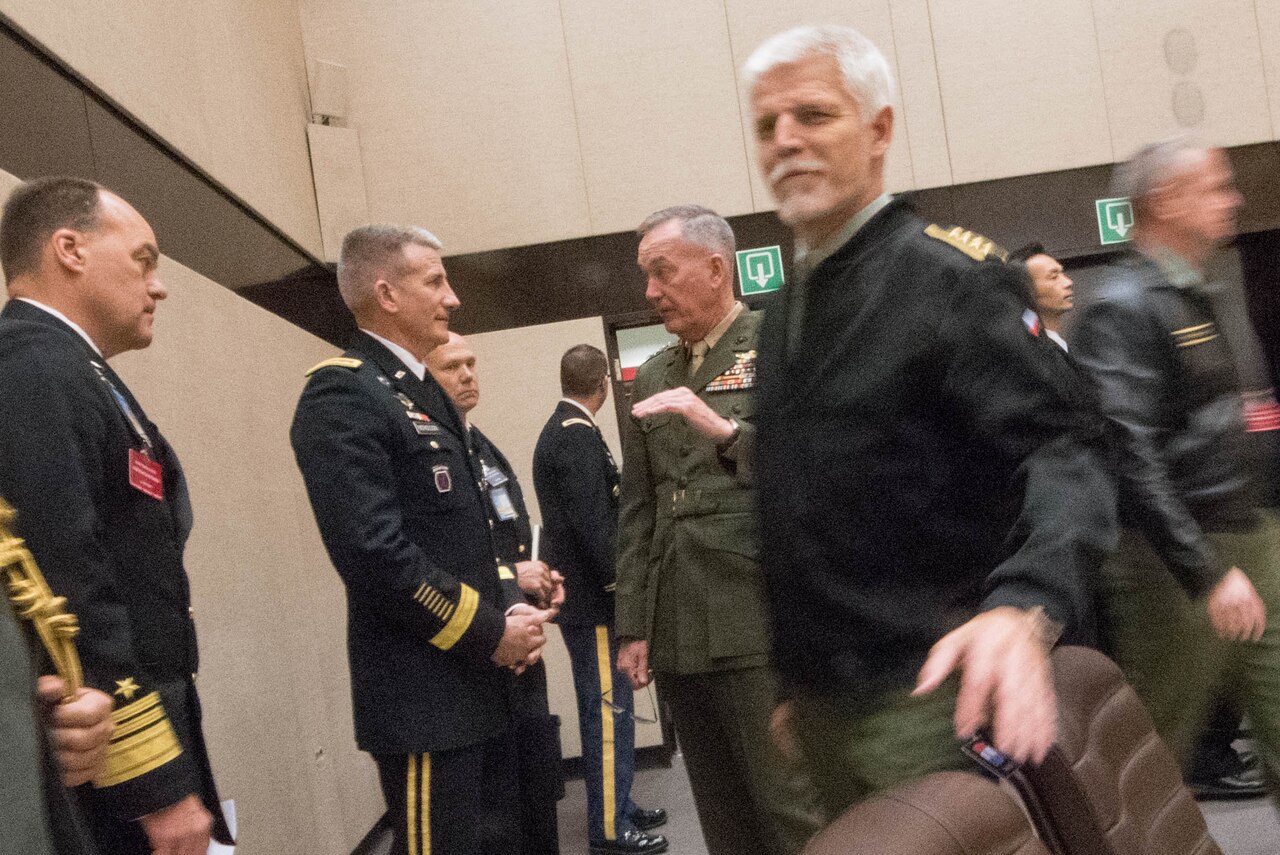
(1115, 220)
(760, 270)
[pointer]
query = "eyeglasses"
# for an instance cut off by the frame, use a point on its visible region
(652, 718)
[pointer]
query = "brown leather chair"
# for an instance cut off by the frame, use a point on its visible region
(1110, 785)
(949, 813)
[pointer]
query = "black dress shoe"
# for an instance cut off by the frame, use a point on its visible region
(630, 843)
(647, 819)
(1244, 782)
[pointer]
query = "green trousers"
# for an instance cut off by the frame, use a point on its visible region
(857, 748)
(750, 800)
(1166, 647)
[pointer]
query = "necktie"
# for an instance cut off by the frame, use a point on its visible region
(697, 353)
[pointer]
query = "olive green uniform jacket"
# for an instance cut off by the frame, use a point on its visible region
(689, 581)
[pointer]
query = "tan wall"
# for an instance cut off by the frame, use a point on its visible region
(501, 124)
(519, 374)
(221, 380)
(222, 81)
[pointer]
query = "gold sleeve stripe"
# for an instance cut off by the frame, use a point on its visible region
(142, 744)
(137, 723)
(143, 704)
(1194, 341)
(568, 422)
(1195, 328)
(460, 621)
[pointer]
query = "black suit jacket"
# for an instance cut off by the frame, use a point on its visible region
(113, 551)
(577, 485)
(397, 494)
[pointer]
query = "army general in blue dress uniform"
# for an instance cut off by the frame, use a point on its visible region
(403, 509)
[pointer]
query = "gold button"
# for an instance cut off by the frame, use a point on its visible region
(435, 444)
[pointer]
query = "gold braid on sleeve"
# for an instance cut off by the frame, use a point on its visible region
(33, 601)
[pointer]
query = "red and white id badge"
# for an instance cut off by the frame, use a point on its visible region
(146, 475)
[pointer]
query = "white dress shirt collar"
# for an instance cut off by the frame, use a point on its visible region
(84, 335)
(419, 370)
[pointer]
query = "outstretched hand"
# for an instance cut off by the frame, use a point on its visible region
(1005, 681)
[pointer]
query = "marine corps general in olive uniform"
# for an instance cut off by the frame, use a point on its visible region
(690, 594)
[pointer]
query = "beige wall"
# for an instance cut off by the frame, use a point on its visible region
(519, 374)
(222, 81)
(221, 380)
(502, 124)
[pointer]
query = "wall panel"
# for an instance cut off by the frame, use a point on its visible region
(223, 81)
(465, 115)
(1174, 66)
(655, 93)
(1021, 87)
(1268, 17)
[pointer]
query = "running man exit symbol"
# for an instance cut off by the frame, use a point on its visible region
(760, 270)
(1115, 220)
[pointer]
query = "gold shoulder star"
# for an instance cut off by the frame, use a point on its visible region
(126, 688)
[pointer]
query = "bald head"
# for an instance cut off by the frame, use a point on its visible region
(453, 364)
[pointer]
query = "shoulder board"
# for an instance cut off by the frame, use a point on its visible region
(970, 243)
(336, 362)
(568, 422)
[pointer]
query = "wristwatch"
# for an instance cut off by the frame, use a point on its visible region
(729, 440)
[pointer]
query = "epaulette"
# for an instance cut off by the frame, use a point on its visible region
(336, 362)
(568, 422)
(970, 243)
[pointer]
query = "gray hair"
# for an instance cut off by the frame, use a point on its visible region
(1151, 168)
(866, 72)
(370, 253)
(699, 225)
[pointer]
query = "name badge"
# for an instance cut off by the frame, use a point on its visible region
(502, 504)
(146, 475)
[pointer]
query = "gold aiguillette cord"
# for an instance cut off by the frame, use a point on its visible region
(34, 602)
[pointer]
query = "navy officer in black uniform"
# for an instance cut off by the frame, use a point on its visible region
(578, 492)
(102, 502)
(405, 514)
(537, 731)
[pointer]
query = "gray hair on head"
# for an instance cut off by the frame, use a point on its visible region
(374, 252)
(699, 225)
(865, 70)
(1151, 167)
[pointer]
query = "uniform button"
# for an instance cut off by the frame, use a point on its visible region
(520, 549)
(191, 612)
(737, 409)
(435, 444)
(684, 450)
(490, 523)
(683, 482)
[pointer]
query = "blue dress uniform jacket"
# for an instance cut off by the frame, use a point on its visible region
(113, 551)
(917, 460)
(578, 488)
(397, 496)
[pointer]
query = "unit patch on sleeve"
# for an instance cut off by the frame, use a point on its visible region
(741, 375)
